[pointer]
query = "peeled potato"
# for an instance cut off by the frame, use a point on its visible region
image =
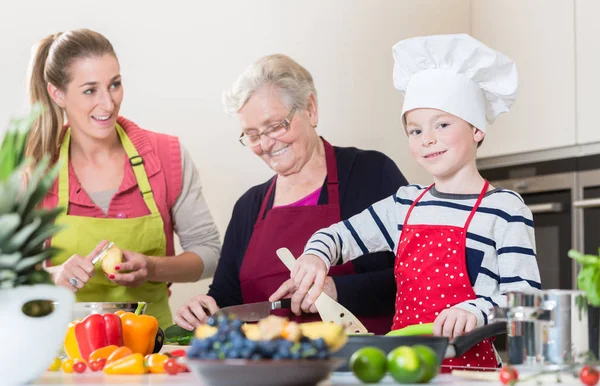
(112, 257)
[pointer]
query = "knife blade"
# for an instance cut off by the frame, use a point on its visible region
(253, 312)
(102, 253)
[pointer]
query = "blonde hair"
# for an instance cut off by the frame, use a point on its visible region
(50, 63)
(293, 81)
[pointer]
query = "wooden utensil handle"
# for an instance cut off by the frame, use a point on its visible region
(286, 258)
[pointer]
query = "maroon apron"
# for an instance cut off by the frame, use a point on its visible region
(431, 276)
(262, 272)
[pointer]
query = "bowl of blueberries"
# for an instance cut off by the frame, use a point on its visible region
(228, 357)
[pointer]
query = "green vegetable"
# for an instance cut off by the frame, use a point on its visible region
(588, 279)
(177, 335)
(417, 329)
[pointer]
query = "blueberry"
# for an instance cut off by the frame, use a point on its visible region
(250, 344)
(223, 320)
(268, 348)
(255, 357)
(211, 321)
(201, 344)
(296, 355)
(323, 355)
(236, 325)
(245, 353)
(320, 343)
(233, 354)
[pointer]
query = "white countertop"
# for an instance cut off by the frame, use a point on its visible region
(337, 379)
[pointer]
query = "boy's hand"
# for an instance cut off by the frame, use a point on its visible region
(309, 271)
(453, 322)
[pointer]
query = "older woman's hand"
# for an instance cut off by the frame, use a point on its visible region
(195, 312)
(74, 273)
(288, 289)
(137, 268)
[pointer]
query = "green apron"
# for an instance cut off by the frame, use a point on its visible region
(142, 234)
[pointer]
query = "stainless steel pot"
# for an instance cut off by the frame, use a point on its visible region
(550, 327)
(83, 309)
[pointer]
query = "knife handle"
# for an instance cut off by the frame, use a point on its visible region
(284, 303)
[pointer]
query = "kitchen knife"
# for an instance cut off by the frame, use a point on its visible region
(102, 253)
(253, 312)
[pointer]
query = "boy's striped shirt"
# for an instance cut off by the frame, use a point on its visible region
(500, 239)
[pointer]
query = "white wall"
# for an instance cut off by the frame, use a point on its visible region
(177, 58)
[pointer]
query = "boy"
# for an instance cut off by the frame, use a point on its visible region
(460, 243)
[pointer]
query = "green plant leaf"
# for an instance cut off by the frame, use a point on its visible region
(32, 261)
(8, 225)
(9, 260)
(18, 240)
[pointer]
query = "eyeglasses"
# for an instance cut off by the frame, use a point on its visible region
(275, 131)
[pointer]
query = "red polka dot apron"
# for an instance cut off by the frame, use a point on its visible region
(431, 275)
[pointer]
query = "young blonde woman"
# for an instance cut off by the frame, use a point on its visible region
(117, 181)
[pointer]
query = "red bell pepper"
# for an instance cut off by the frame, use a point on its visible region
(96, 331)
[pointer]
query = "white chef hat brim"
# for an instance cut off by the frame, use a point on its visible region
(442, 90)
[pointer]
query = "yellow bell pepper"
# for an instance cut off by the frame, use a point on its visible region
(139, 331)
(156, 363)
(70, 342)
(131, 364)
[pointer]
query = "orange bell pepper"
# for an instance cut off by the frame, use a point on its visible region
(156, 363)
(119, 353)
(131, 364)
(139, 331)
(102, 353)
(70, 342)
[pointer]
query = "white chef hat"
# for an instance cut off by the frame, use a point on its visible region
(456, 74)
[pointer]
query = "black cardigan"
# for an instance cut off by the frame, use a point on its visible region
(365, 177)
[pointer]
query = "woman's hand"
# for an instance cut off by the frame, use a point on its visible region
(74, 273)
(453, 322)
(287, 290)
(137, 268)
(195, 312)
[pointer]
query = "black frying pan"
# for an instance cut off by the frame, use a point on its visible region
(443, 347)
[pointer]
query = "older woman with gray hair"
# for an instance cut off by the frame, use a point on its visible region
(315, 185)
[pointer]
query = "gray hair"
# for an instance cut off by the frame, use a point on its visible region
(293, 81)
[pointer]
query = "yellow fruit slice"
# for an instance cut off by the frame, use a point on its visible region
(204, 331)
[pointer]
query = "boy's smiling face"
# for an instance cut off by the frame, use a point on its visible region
(441, 143)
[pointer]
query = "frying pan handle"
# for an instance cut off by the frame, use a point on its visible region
(463, 343)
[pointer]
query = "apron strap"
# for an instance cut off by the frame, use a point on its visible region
(137, 163)
(479, 199)
(63, 174)
(263, 207)
(333, 184)
(413, 205)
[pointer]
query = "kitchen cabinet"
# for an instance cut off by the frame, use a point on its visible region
(587, 30)
(539, 36)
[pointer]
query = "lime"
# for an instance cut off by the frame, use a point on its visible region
(404, 364)
(368, 364)
(429, 362)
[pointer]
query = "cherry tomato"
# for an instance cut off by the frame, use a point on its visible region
(589, 375)
(171, 366)
(67, 365)
(178, 353)
(98, 364)
(79, 366)
(508, 375)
